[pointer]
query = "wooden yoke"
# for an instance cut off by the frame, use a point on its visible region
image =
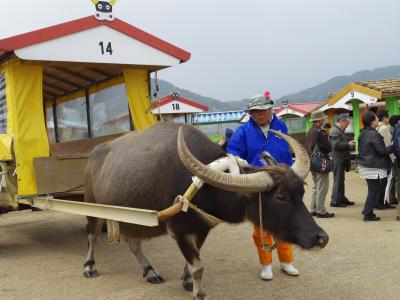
(177, 207)
(228, 163)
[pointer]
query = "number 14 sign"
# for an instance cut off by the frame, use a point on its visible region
(106, 49)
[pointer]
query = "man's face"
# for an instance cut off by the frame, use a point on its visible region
(321, 122)
(375, 123)
(344, 123)
(261, 117)
(385, 120)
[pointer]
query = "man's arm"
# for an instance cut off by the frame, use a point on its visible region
(387, 137)
(237, 144)
(337, 143)
(379, 146)
(289, 158)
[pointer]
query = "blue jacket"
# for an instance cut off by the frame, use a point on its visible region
(248, 142)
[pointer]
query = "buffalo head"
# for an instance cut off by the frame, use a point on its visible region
(281, 189)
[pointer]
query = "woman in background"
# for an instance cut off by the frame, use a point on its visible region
(373, 162)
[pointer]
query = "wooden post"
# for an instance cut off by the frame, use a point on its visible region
(109, 212)
(356, 121)
(330, 117)
(308, 123)
(392, 105)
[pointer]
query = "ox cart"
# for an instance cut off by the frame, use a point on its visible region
(63, 90)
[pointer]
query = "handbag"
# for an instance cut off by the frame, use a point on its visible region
(320, 162)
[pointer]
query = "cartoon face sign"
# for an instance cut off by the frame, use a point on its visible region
(104, 9)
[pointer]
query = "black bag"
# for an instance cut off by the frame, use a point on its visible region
(347, 165)
(320, 162)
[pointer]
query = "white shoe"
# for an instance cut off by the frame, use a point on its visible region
(289, 269)
(266, 272)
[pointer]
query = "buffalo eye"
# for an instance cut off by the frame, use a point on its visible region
(99, 6)
(281, 198)
(108, 7)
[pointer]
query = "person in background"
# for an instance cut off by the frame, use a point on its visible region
(394, 121)
(340, 154)
(318, 137)
(373, 109)
(384, 131)
(249, 142)
(327, 127)
(373, 162)
(228, 135)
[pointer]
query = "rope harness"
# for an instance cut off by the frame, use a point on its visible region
(183, 202)
(213, 220)
(210, 219)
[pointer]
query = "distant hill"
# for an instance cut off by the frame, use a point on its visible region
(166, 88)
(317, 93)
(320, 92)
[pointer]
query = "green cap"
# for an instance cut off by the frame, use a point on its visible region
(317, 115)
(260, 102)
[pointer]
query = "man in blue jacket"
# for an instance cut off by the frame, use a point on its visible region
(250, 142)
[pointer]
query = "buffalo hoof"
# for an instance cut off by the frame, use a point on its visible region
(152, 276)
(188, 284)
(90, 272)
(200, 295)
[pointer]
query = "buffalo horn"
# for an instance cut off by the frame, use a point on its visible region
(250, 183)
(301, 165)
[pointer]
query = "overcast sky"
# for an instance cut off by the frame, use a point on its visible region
(242, 47)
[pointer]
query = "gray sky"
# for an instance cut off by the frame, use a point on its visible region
(242, 47)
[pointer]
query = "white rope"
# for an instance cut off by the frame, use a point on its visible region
(228, 163)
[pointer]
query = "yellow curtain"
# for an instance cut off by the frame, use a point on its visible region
(137, 89)
(29, 131)
(6, 138)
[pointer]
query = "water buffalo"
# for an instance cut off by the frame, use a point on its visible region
(145, 170)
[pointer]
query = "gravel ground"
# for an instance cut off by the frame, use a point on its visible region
(41, 257)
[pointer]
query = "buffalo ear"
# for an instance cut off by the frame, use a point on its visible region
(269, 160)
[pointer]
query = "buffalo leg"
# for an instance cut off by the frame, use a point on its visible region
(93, 229)
(148, 272)
(189, 248)
(186, 277)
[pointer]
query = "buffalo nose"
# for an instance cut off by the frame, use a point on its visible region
(323, 240)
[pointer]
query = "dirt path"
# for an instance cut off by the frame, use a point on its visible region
(41, 256)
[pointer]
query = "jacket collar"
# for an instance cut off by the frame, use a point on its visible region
(339, 128)
(274, 119)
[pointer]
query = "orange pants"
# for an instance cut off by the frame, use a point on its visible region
(284, 249)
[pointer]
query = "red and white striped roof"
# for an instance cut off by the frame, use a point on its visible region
(177, 105)
(298, 109)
